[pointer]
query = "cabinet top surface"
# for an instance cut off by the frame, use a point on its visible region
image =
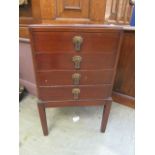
(68, 27)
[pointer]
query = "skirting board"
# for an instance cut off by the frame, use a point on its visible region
(30, 87)
(123, 99)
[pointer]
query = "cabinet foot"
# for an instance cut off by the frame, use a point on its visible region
(42, 114)
(105, 115)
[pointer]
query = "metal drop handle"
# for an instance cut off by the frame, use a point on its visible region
(77, 61)
(76, 93)
(76, 78)
(77, 40)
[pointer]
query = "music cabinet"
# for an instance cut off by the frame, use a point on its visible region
(74, 65)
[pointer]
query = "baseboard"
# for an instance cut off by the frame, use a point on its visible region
(123, 99)
(30, 87)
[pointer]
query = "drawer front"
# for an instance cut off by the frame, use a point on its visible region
(88, 77)
(62, 42)
(67, 93)
(64, 61)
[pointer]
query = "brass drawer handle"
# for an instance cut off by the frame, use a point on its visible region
(76, 78)
(76, 93)
(77, 40)
(77, 60)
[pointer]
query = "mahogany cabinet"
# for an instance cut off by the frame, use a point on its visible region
(58, 49)
(78, 11)
(124, 85)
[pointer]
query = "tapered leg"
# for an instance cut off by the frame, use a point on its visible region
(105, 115)
(42, 114)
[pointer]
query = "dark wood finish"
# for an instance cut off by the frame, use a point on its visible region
(92, 43)
(42, 114)
(124, 84)
(105, 116)
(75, 103)
(65, 92)
(53, 11)
(94, 77)
(50, 59)
(64, 61)
(123, 99)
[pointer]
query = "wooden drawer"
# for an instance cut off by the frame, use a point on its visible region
(65, 92)
(87, 77)
(64, 61)
(62, 42)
